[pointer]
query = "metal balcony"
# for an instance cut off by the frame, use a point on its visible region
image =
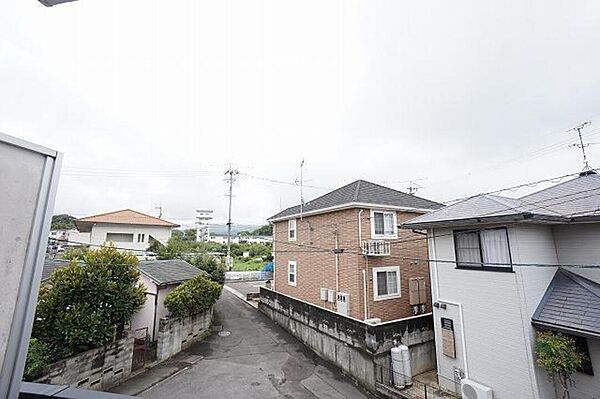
(376, 248)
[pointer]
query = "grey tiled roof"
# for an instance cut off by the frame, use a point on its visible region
(564, 202)
(169, 271)
(571, 303)
(362, 191)
(50, 265)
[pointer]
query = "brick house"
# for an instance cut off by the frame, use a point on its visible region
(341, 252)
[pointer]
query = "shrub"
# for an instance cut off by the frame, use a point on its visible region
(211, 266)
(194, 296)
(37, 361)
(82, 304)
(559, 356)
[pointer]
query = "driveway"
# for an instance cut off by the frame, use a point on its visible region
(257, 359)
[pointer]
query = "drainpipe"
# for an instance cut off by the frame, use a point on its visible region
(273, 253)
(364, 271)
(155, 307)
(337, 263)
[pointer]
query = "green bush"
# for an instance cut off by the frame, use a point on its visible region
(211, 266)
(83, 304)
(558, 355)
(38, 360)
(192, 297)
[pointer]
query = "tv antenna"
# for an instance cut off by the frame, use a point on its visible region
(581, 145)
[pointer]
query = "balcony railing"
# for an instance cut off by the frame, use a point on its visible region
(376, 248)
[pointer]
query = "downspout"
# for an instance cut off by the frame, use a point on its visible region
(364, 271)
(274, 263)
(337, 263)
(459, 305)
(155, 307)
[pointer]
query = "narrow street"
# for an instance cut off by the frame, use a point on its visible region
(257, 359)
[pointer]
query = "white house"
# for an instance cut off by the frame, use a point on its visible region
(502, 268)
(126, 229)
(159, 278)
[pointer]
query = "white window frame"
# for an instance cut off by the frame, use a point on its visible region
(376, 296)
(290, 229)
(392, 236)
(290, 263)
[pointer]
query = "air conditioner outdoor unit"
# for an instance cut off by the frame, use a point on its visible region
(331, 296)
(323, 294)
(474, 390)
(374, 320)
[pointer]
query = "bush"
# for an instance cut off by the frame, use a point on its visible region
(192, 297)
(83, 304)
(559, 356)
(37, 361)
(211, 266)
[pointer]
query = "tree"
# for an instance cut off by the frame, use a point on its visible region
(266, 230)
(84, 304)
(62, 222)
(209, 265)
(192, 297)
(559, 356)
(38, 360)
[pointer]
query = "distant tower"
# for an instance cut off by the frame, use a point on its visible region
(203, 218)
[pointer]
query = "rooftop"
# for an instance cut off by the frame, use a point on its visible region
(571, 304)
(360, 193)
(125, 216)
(172, 271)
(571, 201)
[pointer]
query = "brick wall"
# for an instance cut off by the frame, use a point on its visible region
(316, 267)
(175, 335)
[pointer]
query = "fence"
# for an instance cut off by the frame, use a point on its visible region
(96, 369)
(424, 386)
(248, 276)
(356, 347)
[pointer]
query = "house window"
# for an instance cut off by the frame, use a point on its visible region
(383, 224)
(292, 272)
(483, 249)
(292, 230)
(141, 237)
(386, 282)
(119, 237)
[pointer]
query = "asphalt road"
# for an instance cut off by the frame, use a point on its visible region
(257, 359)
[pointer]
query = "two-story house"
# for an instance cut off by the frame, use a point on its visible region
(126, 229)
(338, 251)
(502, 269)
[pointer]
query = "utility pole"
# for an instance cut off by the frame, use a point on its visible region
(231, 174)
(300, 182)
(581, 145)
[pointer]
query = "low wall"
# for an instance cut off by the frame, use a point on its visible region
(175, 335)
(356, 347)
(97, 369)
(251, 275)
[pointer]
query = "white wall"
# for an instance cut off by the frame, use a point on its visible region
(99, 231)
(145, 316)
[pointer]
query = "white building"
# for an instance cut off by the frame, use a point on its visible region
(159, 278)
(203, 218)
(492, 287)
(223, 239)
(256, 239)
(126, 229)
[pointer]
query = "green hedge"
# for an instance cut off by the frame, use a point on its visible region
(192, 297)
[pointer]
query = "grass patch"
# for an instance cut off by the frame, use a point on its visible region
(246, 265)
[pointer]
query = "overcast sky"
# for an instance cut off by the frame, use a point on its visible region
(150, 100)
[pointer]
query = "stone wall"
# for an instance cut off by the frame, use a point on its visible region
(356, 347)
(97, 369)
(175, 335)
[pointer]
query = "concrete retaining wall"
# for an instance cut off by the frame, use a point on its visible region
(356, 347)
(97, 369)
(175, 335)
(248, 276)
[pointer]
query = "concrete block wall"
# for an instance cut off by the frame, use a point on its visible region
(97, 369)
(354, 346)
(175, 335)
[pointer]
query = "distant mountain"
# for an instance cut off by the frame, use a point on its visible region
(221, 229)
